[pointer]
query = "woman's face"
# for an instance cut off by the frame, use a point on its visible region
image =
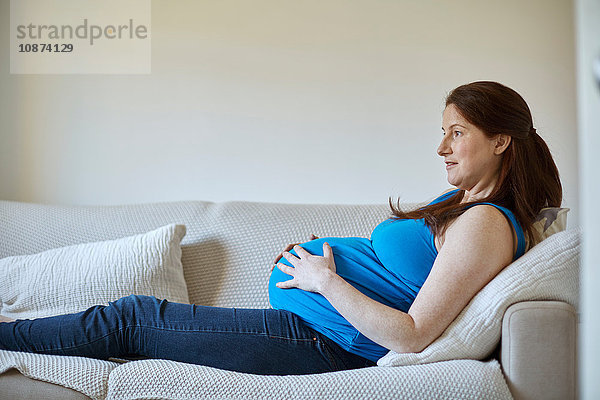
(471, 158)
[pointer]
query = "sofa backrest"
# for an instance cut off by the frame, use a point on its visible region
(227, 250)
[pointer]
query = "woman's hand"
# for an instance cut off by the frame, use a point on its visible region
(288, 248)
(309, 272)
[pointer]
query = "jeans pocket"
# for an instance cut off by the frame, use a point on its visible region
(340, 358)
(331, 352)
(327, 352)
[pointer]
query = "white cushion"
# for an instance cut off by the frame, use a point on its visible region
(549, 271)
(74, 278)
(163, 379)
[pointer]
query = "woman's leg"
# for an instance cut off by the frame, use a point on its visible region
(254, 341)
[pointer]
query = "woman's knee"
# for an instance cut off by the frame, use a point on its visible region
(134, 306)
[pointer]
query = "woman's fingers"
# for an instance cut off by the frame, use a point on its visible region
(327, 251)
(290, 257)
(286, 284)
(286, 269)
(302, 253)
(280, 255)
(288, 248)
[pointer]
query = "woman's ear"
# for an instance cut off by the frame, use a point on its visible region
(502, 142)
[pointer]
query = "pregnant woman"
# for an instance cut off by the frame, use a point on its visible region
(342, 303)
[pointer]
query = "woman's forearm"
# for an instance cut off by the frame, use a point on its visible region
(391, 328)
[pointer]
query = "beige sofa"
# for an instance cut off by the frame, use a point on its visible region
(226, 255)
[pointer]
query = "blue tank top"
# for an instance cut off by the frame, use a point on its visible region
(390, 268)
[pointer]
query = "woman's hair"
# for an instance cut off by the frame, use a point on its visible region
(528, 180)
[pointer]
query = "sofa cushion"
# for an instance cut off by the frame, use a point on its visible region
(162, 379)
(549, 271)
(71, 279)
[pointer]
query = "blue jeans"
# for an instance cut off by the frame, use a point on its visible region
(255, 341)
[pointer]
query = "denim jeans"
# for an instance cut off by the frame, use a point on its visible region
(254, 341)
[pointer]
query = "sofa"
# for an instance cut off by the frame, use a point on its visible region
(516, 339)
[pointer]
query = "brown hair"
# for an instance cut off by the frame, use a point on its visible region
(528, 180)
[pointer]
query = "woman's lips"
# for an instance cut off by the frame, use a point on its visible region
(450, 165)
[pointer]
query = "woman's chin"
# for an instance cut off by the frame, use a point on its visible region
(452, 182)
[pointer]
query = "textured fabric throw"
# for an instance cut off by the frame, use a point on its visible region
(162, 379)
(71, 279)
(85, 375)
(549, 271)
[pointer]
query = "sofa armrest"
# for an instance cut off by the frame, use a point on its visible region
(539, 350)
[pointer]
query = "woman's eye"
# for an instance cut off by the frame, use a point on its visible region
(457, 133)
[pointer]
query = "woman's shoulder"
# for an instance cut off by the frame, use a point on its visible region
(482, 220)
(483, 213)
(487, 220)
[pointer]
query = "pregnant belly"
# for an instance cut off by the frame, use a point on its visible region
(351, 255)
(358, 264)
(313, 308)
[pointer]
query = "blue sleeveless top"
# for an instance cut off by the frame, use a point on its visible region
(390, 268)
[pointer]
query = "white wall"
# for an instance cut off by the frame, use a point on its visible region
(284, 101)
(588, 91)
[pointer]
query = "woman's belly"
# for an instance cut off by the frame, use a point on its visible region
(358, 264)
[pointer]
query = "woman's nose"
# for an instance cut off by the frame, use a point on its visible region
(443, 148)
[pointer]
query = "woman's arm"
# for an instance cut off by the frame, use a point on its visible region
(476, 248)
